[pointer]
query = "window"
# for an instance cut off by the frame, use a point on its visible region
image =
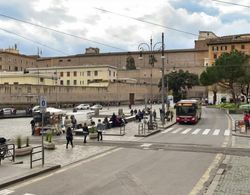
(68, 74)
(61, 82)
(223, 48)
(75, 82)
(1, 67)
(75, 73)
(41, 80)
(109, 73)
(60, 60)
(242, 46)
(113, 74)
(69, 60)
(15, 83)
(61, 74)
(68, 82)
(88, 73)
(215, 56)
(16, 68)
(0, 58)
(82, 73)
(96, 73)
(232, 47)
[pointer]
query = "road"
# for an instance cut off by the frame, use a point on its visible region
(142, 168)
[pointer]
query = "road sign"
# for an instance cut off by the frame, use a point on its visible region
(43, 104)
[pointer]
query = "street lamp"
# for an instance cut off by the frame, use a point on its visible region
(151, 49)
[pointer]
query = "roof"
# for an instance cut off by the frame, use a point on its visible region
(240, 38)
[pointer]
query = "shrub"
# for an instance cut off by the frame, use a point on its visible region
(93, 129)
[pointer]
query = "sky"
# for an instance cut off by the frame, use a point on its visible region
(68, 27)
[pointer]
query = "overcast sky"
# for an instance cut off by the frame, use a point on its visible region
(114, 31)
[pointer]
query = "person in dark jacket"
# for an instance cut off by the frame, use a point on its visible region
(69, 137)
(85, 131)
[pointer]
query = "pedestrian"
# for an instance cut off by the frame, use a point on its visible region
(131, 112)
(129, 106)
(69, 137)
(85, 131)
(67, 122)
(171, 115)
(100, 129)
(154, 115)
(73, 121)
(32, 123)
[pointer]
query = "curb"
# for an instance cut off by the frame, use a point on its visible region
(28, 175)
(240, 135)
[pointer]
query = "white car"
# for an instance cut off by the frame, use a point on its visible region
(97, 106)
(82, 107)
(8, 111)
(36, 109)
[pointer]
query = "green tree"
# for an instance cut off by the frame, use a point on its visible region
(208, 78)
(130, 63)
(227, 71)
(179, 83)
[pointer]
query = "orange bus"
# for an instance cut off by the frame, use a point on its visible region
(188, 111)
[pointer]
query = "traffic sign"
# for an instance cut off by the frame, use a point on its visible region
(43, 104)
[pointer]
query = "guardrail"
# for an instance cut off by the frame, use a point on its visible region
(36, 152)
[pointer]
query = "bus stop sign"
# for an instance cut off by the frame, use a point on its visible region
(43, 104)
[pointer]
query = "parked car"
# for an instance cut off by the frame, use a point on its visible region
(7, 111)
(36, 109)
(82, 107)
(96, 106)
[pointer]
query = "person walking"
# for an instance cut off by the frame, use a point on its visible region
(171, 115)
(99, 128)
(32, 123)
(85, 131)
(69, 137)
(154, 115)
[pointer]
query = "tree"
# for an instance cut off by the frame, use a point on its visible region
(227, 71)
(179, 83)
(130, 65)
(209, 77)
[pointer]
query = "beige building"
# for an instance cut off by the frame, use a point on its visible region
(85, 75)
(19, 78)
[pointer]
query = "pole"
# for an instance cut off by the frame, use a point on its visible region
(162, 82)
(42, 139)
(150, 126)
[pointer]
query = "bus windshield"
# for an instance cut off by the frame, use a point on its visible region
(186, 110)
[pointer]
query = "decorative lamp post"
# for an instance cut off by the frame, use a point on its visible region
(151, 48)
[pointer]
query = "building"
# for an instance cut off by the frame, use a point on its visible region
(84, 75)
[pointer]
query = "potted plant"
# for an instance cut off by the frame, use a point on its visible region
(22, 150)
(48, 144)
(93, 132)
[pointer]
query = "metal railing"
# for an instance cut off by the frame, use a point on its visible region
(36, 152)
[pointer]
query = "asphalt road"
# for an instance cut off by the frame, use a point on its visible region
(140, 170)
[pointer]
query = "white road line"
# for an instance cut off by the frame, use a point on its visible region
(216, 132)
(177, 130)
(186, 131)
(227, 132)
(196, 131)
(167, 130)
(6, 192)
(206, 131)
(28, 194)
(146, 145)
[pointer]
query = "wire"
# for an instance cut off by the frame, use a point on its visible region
(148, 22)
(58, 31)
(226, 2)
(36, 42)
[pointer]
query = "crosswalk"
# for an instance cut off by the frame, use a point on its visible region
(197, 131)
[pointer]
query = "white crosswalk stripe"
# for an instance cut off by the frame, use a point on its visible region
(145, 145)
(167, 130)
(177, 130)
(186, 131)
(6, 192)
(227, 132)
(216, 132)
(206, 131)
(196, 131)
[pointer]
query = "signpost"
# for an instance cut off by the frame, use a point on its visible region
(43, 106)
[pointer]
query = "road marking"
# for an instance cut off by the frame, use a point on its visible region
(186, 131)
(167, 130)
(65, 168)
(146, 145)
(196, 131)
(28, 194)
(227, 132)
(206, 131)
(216, 132)
(6, 191)
(177, 130)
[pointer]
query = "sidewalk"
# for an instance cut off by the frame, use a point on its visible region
(60, 157)
(235, 179)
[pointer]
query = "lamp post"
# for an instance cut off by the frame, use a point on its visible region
(162, 82)
(151, 49)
